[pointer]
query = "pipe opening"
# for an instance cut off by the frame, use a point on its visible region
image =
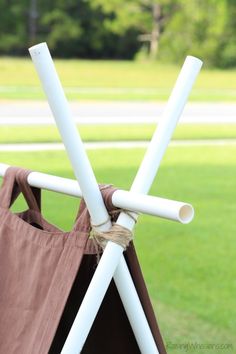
(186, 214)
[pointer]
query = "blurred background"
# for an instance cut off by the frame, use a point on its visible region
(118, 61)
(166, 30)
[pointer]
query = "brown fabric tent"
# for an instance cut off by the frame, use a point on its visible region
(44, 274)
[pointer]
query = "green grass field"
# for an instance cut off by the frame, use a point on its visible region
(44, 134)
(113, 80)
(190, 269)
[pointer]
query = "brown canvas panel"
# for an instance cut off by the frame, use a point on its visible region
(37, 270)
(44, 274)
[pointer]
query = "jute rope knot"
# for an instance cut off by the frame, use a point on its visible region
(117, 234)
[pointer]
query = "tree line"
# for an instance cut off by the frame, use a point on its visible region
(123, 29)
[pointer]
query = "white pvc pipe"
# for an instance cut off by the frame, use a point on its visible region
(142, 183)
(84, 174)
(112, 253)
(145, 204)
(156, 206)
(70, 136)
(162, 136)
(154, 154)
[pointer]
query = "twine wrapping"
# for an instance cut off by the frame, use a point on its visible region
(117, 234)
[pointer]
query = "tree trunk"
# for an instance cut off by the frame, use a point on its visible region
(33, 15)
(155, 34)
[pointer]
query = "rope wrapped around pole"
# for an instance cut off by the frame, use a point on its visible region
(117, 234)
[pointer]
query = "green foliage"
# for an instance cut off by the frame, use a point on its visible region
(62, 28)
(202, 28)
(71, 28)
(12, 25)
(196, 29)
(164, 29)
(227, 46)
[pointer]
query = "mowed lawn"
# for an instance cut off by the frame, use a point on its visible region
(190, 270)
(113, 80)
(113, 132)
